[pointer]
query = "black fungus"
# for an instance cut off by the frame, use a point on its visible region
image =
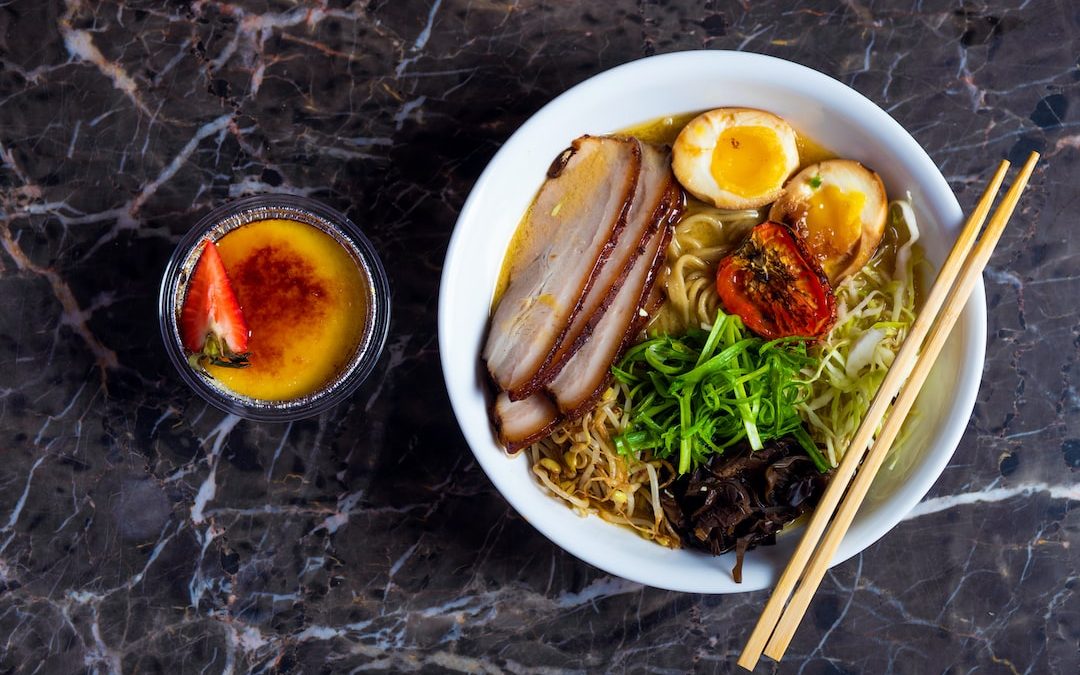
(741, 499)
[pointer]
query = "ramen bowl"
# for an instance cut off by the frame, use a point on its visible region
(830, 113)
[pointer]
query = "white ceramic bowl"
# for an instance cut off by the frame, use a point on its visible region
(827, 111)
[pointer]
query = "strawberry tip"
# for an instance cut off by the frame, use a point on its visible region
(211, 321)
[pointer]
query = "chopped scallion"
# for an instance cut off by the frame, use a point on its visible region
(695, 395)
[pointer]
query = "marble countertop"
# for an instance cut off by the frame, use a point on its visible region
(142, 531)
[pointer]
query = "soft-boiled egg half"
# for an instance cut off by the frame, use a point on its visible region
(735, 158)
(839, 207)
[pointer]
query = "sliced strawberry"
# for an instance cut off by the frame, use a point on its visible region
(212, 325)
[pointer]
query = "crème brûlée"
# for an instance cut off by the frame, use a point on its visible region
(305, 302)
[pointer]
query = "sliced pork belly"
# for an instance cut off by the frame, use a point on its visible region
(655, 197)
(570, 231)
(521, 423)
(585, 375)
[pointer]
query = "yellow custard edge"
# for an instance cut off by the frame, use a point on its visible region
(305, 302)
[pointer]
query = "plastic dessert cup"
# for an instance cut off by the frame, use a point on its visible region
(272, 232)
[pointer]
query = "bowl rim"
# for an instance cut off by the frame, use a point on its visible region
(928, 468)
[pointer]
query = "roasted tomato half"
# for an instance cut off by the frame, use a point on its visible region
(776, 286)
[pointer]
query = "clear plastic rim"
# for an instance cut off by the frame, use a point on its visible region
(224, 219)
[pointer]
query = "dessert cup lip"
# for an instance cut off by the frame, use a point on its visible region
(231, 215)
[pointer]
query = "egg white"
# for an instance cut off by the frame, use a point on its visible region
(848, 176)
(693, 151)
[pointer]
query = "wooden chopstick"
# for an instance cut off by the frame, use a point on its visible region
(856, 449)
(971, 272)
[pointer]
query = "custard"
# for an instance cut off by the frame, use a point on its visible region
(305, 301)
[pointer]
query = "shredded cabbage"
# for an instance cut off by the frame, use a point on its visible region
(875, 310)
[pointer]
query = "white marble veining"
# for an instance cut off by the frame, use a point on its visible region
(143, 531)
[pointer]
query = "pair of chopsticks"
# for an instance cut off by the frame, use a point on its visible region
(905, 378)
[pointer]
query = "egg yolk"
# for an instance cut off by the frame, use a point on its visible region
(748, 161)
(834, 220)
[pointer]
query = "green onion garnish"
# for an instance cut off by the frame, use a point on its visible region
(697, 394)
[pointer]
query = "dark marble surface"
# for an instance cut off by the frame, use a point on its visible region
(141, 531)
